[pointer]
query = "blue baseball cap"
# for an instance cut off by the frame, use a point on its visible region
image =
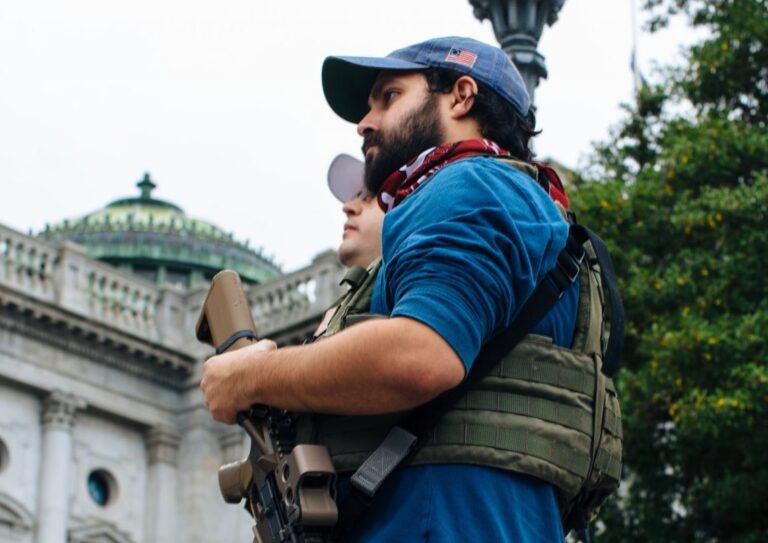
(347, 81)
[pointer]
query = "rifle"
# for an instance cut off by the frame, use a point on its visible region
(289, 489)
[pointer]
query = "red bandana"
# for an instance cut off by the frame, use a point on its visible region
(404, 181)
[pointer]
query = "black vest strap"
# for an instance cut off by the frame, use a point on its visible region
(421, 420)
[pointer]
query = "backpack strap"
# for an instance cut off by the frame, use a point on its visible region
(614, 313)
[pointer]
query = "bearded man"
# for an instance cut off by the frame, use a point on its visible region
(466, 239)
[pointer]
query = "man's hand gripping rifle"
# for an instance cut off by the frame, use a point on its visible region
(289, 489)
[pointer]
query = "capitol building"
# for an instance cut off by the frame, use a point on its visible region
(104, 437)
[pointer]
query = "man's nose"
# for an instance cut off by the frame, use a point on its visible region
(353, 207)
(368, 123)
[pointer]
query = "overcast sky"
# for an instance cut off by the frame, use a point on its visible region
(221, 102)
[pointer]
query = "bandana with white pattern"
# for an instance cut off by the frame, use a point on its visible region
(404, 181)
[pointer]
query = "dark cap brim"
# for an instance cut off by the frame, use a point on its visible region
(347, 82)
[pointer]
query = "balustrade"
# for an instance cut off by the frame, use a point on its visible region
(64, 276)
(120, 301)
(296, 297)
(27, 263)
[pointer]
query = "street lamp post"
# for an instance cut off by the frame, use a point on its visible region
(518, 25)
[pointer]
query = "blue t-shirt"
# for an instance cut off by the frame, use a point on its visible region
(456, 503)
(461, 254)
(464, 251)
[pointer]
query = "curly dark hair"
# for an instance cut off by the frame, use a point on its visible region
(498, 119)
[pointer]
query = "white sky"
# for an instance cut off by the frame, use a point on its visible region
(221, 102)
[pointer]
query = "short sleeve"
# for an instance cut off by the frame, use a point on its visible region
(465, 250)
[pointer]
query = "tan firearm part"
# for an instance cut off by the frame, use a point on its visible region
(225, 311)
(308, 474)
(234, 480)
(305, 476)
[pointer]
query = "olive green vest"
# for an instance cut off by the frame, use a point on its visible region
(544, 410)
(355, 305)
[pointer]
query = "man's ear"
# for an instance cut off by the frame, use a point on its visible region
(463, 96)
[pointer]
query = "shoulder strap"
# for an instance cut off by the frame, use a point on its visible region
(614, 317)
(357, 299)
(404, 439)
(421, 420)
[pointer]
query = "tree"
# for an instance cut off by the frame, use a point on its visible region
(680, 194)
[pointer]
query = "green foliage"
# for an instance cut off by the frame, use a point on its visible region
(727, 72)
(680, 194)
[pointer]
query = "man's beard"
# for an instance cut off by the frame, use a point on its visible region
(419, 130)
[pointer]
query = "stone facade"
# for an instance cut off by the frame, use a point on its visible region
(103, 434)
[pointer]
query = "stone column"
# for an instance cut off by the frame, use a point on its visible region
(236, 523)
(161, 499)
(59, 411)
(232, 442)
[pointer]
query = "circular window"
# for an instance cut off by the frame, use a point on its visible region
(102, 487)
(4, 456)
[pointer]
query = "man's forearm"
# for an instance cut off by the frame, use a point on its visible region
(374, 367)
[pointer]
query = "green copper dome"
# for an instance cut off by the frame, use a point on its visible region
(157, 240)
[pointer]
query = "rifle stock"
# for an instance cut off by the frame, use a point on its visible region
(289, 489)
(225, 311)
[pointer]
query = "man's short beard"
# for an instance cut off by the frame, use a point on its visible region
(420, 130)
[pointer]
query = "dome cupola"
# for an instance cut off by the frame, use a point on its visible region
(155, 239)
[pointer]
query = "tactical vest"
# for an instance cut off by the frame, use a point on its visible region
(544, 410)
(354, 306)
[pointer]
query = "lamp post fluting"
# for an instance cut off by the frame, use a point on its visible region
(518, 25)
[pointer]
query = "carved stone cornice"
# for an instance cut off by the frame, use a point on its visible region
(60, 409)
(14, 514)
(90, 339)
(98, 530)
(163, 445)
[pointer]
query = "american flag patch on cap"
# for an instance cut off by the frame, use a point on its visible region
(461, 56)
